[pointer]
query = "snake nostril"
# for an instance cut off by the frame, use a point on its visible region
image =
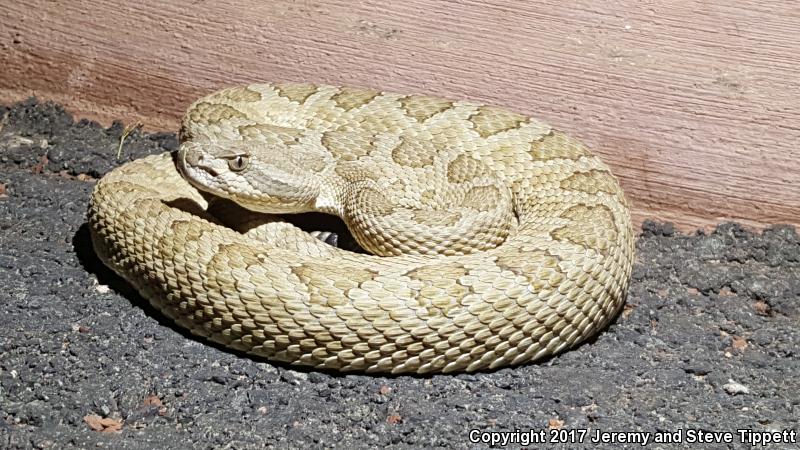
(191, 156)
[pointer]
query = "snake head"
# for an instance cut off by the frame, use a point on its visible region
(259, 176)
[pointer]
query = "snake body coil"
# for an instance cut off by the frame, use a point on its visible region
(495, 240)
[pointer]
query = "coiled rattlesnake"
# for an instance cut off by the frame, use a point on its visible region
(500, 240)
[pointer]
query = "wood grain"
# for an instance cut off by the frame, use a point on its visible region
(695, 104)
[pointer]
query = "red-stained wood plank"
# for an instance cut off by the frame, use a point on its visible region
(694, 104)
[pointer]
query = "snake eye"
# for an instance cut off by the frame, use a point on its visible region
(238, 163)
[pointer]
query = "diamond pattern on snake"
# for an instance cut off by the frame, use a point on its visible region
(491, 239)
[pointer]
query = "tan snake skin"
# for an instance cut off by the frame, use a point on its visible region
(496, 240)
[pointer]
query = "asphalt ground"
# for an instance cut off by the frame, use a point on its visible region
(708, 343)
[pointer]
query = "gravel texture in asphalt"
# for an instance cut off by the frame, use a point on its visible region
(709, 341)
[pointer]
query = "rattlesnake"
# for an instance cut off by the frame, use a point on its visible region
(496, 240)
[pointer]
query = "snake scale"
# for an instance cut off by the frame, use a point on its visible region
(491, 239)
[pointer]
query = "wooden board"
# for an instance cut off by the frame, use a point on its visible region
(694, 104)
